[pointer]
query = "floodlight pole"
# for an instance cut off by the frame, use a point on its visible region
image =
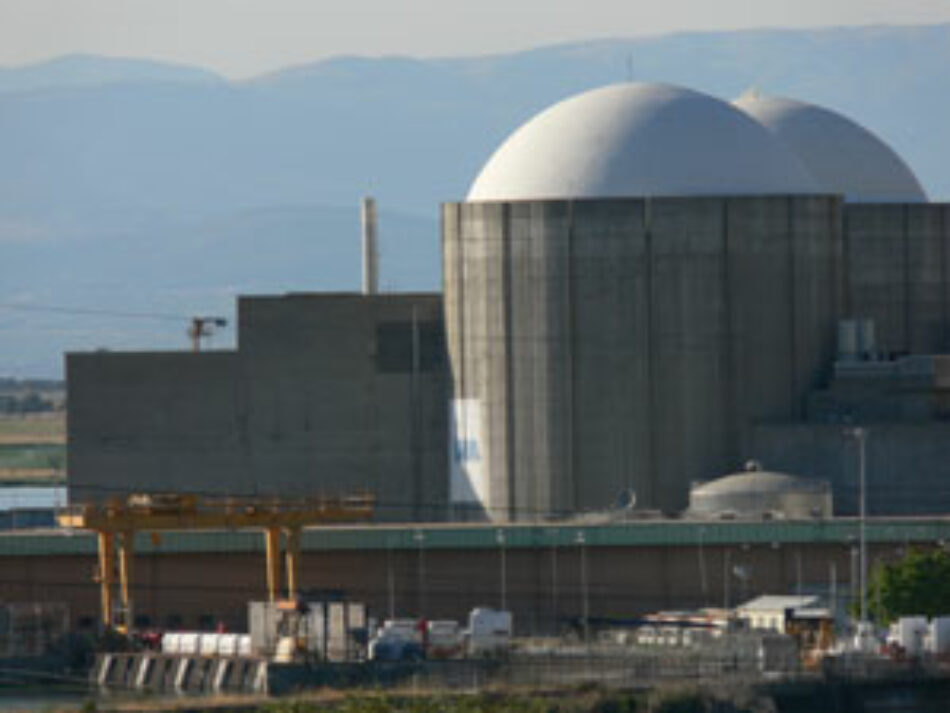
(860, 435)
(581, 541)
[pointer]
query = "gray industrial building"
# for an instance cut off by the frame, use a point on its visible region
(325, 393)
(644, 288)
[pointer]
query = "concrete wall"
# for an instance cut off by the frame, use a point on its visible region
(153, 422)
(347, 392)
(907, 469)
(544, 584)
(896, 272)
(619, 344)
(325, 394)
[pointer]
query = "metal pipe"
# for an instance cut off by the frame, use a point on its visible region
(369, 220)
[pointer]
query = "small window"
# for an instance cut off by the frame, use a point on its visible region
(394, 347)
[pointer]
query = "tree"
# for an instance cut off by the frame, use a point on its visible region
(918, 583)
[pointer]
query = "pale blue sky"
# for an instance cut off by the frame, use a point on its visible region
(241, 38)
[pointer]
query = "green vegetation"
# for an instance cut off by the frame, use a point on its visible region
(672, 699)
(36, 455)
(32, 448)
(919, 583)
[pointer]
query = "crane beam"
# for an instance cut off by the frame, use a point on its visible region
(190, 514)
(118, 521)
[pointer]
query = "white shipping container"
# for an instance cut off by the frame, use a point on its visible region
(489, 631)
(910, 633)
(403, 629)
(444, 638)
(357, 615)
(228, 645)
(316, 628)
(337, 625)
(171, 643)
(939, 635)
(208, 644)
(188, 643)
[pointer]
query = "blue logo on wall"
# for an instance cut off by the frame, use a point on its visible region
(467, 450)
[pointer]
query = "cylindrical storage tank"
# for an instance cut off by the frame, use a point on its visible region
(604, 345)
(760, 494)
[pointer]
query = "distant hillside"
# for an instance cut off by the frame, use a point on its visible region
(87, 71)
(147, 187)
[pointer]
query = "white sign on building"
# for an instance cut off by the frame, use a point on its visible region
(467, 464)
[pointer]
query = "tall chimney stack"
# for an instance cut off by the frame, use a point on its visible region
(370, 246)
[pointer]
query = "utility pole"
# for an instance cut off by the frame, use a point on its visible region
(500, 536)
(420, 538)
(554, 533)
(581, 541)
(860, 435)
(390, 579)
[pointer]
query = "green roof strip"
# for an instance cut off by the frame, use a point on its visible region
(674, 533)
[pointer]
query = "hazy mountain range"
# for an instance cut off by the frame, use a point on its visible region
(136, 186)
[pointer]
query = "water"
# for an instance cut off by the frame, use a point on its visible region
(42, 701)
(29, 496)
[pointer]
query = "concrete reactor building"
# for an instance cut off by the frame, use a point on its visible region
(645, 287)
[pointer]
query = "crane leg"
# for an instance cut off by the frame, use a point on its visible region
(293, 562)
(106, 575)
(126, 555)
(273, 562)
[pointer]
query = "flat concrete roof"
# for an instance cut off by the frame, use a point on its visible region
(653, 533)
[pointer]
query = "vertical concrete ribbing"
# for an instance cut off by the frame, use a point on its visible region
(510, 399)
(906, 279)
(837, 274)
(728, 355)
(726, 292)
(944, 287)
(847, 307)
(572, 486)
(653, 436)
(794, 400)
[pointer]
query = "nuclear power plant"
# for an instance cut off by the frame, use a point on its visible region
(645, 287)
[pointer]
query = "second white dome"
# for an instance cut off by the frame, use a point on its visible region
(638, 139)
(841, 155)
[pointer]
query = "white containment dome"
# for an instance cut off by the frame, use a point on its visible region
(637, 139)
(842, 156)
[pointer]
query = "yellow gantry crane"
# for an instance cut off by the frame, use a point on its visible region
(116, 522)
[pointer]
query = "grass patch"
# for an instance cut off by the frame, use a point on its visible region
(47, 428)
(35, 456)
